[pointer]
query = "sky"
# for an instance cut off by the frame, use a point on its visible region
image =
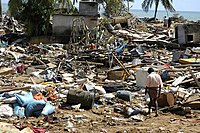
(179, 5)
(4, 1)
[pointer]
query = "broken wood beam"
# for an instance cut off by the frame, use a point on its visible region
(11, 88)
(197, 75)
(159, 42)
(92, 63)
(121, 64)
(181, 70)
(40, 61)
(187, 65)
(194, 77)
(6, 71)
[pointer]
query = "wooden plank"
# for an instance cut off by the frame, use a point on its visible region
(89, 62)
(6, 71)
(194, 77)
(121, 64)
(186, 65)
(11, 88)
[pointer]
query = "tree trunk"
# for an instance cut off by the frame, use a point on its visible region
(156, 8)
(0, 11)
(128, 4)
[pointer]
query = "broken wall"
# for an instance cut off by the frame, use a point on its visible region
(62, 24)
(87, 8)
(187, 33)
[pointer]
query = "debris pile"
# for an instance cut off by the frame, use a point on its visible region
(104, 71)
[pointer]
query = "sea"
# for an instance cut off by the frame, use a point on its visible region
(189, 15)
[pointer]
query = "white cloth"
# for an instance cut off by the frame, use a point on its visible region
(154, 80)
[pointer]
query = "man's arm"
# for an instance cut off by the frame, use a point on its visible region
(147, 84)
(159, 91)
(145, 90)
(160, 86)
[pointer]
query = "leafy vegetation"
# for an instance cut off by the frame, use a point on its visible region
(114, 7)
(147, 4)
(36, 14)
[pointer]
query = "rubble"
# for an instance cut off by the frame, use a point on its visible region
(103, 74)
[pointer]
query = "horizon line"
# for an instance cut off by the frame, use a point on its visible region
(169, 11)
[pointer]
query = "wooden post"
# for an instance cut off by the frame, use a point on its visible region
(196, 80)
(121, 64)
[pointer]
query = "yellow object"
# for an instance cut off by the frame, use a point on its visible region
(47, 83)
(168, 87)
(189, 61)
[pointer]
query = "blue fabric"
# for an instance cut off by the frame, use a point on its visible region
(120, 49)
(37, 113)
(18, 110)
(5, 94)
(48, 109)
(164, 74)
(24, 100)
(34, 106)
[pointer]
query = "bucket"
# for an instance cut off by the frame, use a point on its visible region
(85, 98)
(166, 99)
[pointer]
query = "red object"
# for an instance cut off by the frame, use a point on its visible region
(38, 96)
(53, 97)
(167, 66)
(20, 68)
(92, 46)
(38, 130)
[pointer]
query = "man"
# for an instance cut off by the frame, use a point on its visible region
(169, 22)
(165, 21)
(153, 87)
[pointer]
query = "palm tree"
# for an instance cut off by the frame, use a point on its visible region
(147, 4)
(128, 5)
(0, 11)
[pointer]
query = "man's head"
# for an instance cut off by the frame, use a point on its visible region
(150, 70)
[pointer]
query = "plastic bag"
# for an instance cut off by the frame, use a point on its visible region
(24, 100)
(48, 109)
(18, 110)
(147, 98)
(6, 110)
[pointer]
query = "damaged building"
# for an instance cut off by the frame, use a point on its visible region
(187, 33)
(65, 26)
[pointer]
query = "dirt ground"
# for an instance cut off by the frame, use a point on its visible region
(103, 121)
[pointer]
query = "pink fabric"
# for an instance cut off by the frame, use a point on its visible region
(154, 80)
(38, 130)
